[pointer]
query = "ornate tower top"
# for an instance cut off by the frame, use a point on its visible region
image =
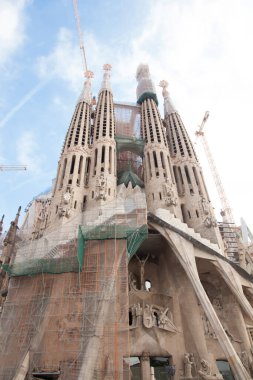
(86, 93)
(145, 87)
(106, 85)
(168, 105)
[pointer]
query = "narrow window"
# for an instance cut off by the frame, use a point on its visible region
(160, 196)
(155, 159)
(75, 204)
(103, 155)
(187, 175)
(153, 196)
(189, 214)
(84, 202)
(110, 159)
(109, 191)
(95, 161)
(63, 172)
(72, 167)
(183, 210)
(162, 160)
(197, 213)
(92, 194)
(56, 210)
(149, 165)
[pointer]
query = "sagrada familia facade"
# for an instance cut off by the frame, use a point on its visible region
(121, 270)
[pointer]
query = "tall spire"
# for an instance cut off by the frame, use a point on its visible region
(86, 95)
(106, 85)
(168, 105)
(145, 88)
(1, 225)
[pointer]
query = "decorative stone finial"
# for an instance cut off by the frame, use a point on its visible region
(168, 105)
(86, 93)
(106, 85)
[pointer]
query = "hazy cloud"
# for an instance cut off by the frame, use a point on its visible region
(12, 27)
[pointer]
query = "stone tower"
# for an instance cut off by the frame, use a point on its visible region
(193, 197)
(71, 185)
(159, 179)
(103, 165)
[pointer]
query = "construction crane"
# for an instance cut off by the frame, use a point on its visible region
(80, 34)
(227, 227)
(12, 167)
(226, 211)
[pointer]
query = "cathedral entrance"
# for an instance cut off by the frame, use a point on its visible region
(149, 368)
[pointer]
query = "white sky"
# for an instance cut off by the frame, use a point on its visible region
(203, 48)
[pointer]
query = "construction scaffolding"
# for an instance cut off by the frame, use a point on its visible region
(67, 303)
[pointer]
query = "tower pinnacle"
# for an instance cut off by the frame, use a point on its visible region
(168, 105)
(145, 88)
(106, 85)
(86, 93)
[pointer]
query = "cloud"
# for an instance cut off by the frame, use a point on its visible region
(65, 61)
(12, 27)
(28, 151)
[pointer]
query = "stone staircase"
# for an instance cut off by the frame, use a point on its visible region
(169, 218)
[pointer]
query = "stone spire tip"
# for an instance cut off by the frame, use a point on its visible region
(86, 95)
(168, 105)
(106, 85)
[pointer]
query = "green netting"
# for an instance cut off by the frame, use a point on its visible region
(80, 247)
(129, 176)
(35, 266)
(74, 261)
(134, 236)
(147, 95)
(131, 144)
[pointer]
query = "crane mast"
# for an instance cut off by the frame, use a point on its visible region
(226, 211)
(227, 227)
(80, 34)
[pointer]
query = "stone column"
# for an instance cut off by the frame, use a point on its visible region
(145, 366)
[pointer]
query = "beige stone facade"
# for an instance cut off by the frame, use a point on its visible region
(121, 272)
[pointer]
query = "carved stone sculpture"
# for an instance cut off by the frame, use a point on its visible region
(101, 187)
(170, 199)
(66, 203)
(187, 366)
(210, 222)
(152, 316)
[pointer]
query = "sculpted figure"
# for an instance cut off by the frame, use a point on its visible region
(138, 311)
(142, 270)
(187, 366)
(205, 368)
(132, 281)
(148, 316)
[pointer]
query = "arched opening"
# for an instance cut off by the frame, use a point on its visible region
(148, 285)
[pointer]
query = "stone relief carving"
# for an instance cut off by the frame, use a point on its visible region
(170, 199)
(205, 371)
(101, 187)
(152, 316)
(209, 220)
(66, 203)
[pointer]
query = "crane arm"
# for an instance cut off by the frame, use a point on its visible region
(80, 34)
(12, 167)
